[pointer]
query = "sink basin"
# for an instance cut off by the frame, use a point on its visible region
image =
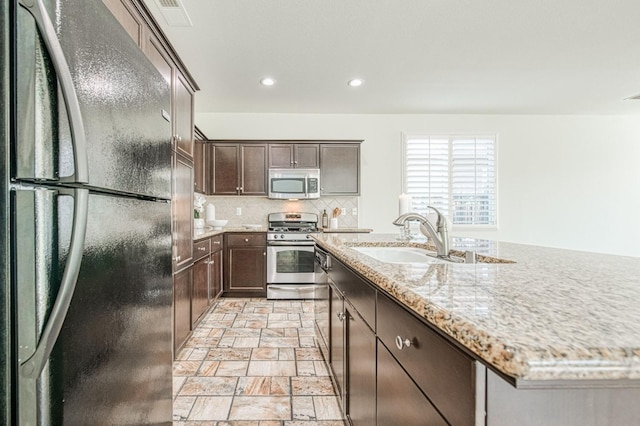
(399, 254)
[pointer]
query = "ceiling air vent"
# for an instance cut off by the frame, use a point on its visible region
(174, 13)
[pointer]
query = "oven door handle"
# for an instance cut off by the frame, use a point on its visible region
(302, 287)
(291, 243)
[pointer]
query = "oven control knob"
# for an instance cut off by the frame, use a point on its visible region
(281, 236)
(308, 236)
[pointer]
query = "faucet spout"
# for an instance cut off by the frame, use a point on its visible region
(439, 234)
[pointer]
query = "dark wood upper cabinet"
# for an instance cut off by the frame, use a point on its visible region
(182, 213)
(253, 169)
(183, 116)
(237, 169)
(340, 169)
(129, 18)
(199, 163)
(289, 155)
(224, 161)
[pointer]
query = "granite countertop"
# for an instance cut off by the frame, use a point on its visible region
(344, 230)
(552, 315)
(208, 231)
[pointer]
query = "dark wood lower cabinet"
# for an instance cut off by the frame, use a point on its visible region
(361, 370)
(200, 293)
(337, 341)
(245, 265)
(215, 276)
(399, 400)
(181, 307)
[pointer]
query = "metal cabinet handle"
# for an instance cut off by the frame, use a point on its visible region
(246, 240)
(402, 343)
(341, 316)
(216, 242)
(177, 258)
(76, 124)
(202, 249)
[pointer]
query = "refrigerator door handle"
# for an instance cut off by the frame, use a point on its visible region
(33, 366)
(72, 105)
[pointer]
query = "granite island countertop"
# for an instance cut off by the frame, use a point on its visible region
(552, 315)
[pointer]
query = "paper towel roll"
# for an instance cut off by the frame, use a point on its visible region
(211, 212)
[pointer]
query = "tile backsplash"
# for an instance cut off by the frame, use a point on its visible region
(255, 209)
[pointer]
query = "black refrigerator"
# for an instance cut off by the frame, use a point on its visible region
(86, 218)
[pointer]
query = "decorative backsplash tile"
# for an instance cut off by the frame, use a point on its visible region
(255, 209)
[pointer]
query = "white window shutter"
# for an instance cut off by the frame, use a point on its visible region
(453, 174)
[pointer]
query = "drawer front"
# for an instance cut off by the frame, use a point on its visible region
(399, 401)
(248, 239)
(444, 373)
(201, 248)
(359, 293)
(216, 243)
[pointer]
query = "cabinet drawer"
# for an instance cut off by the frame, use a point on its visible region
(443, 372)
(247, 239)
(399, 401)
(216, 243)
(201, 248)
(359, 293)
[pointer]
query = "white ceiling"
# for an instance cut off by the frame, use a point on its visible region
(416, 56)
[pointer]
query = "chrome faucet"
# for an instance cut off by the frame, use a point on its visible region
(439, 234)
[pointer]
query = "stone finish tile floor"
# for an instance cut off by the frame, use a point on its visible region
(254, 362)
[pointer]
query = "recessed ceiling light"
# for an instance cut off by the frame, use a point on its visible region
(267, 81)
(356, 82)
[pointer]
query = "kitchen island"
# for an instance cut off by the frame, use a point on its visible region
(556, 321)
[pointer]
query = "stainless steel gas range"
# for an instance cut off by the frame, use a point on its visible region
(290, 256)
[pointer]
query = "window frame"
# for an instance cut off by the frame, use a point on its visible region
(451, 136)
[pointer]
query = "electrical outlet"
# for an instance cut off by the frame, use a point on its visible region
(343, 211)
(354, 211)
(238, 211)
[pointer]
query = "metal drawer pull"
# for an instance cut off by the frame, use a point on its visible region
(246, 240)
(216, 242)
(341, 316)
(202, 249)
(402, 343)
(177, 258)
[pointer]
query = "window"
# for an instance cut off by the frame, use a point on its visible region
(455, 174)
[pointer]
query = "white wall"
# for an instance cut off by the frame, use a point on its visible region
(563, 181)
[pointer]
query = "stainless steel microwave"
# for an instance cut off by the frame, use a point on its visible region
(294, 183)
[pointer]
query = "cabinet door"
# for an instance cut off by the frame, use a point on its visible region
(340, 169)
(215, 276)
(182, 206)
(129, 18)
(183, 117)
(253, 169)
(399, 401)
(181, 307)
(158, 57)
(199, 181)
(200, 290)
(280, 156)
(306, 155)
(336, 339)
(224, 160)
(361, 370)
(246, 271)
